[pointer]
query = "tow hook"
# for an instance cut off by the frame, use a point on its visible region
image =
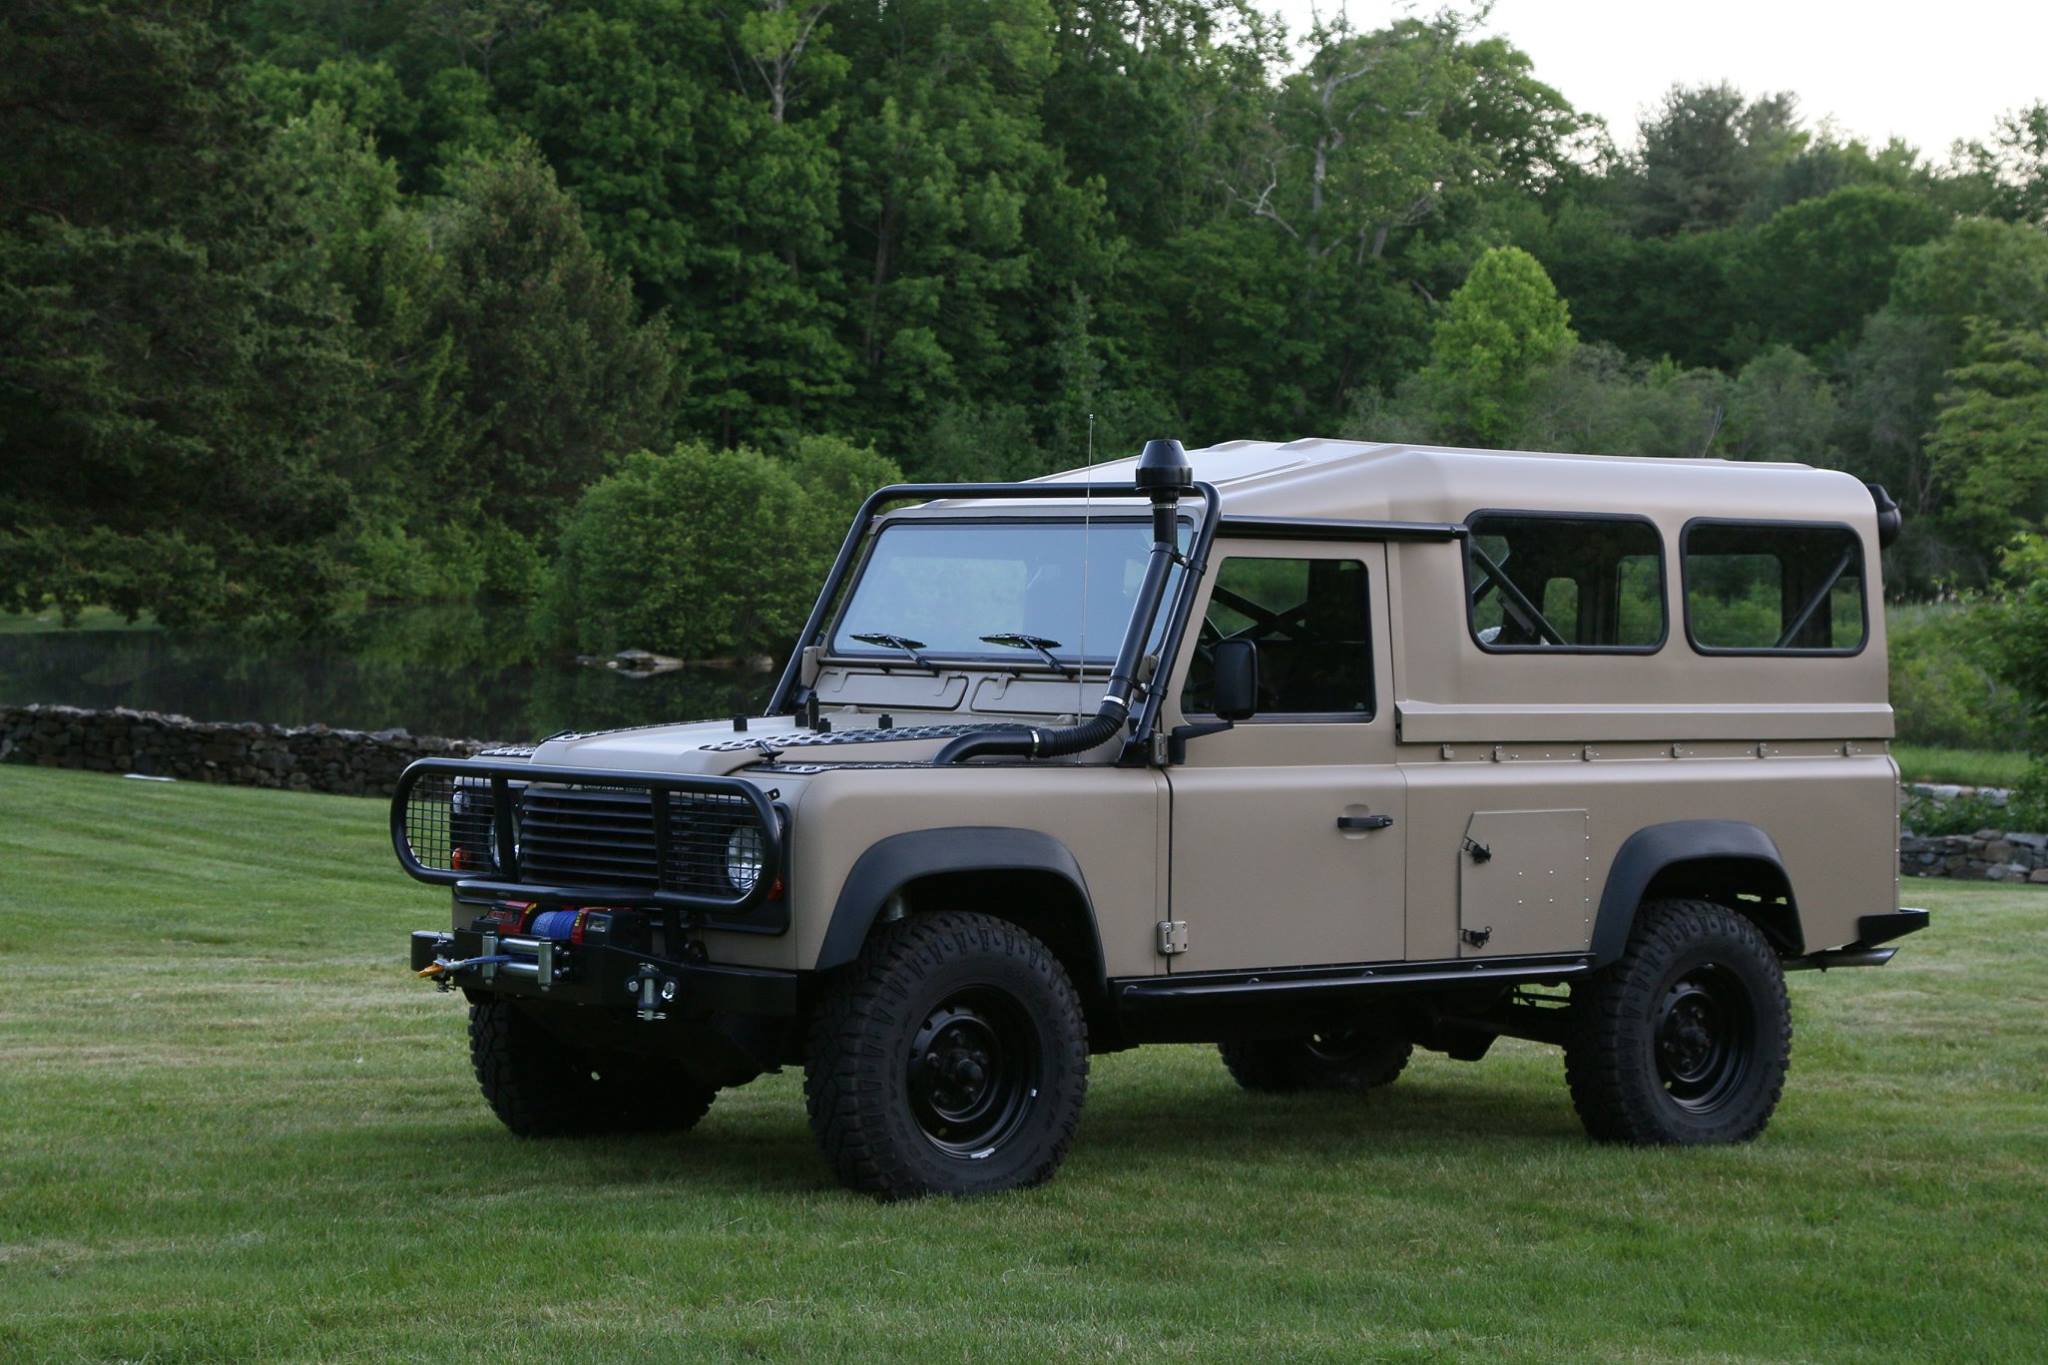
(651, 988)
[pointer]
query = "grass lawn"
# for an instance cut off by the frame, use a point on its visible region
(1970, 767)
(233, 1128)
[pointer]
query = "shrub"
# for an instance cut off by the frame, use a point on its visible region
(705, 553)
(2020, 641)
(1946, 685)
(2028, 808)
(1930, 819)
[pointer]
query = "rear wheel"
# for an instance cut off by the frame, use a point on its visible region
(1686, 1039)
(951, 1058)
(1333, 1059)
(540, 1086)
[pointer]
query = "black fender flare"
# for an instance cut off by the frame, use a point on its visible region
(892, 863)
(1653, 848)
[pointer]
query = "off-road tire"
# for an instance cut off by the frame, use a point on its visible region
(540, 1086)
(1277, 1066)
(890, 1064)
(1685, 1039)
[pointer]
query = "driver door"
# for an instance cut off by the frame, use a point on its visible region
(1262, 872)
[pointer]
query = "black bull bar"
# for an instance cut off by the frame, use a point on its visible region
(455, 822)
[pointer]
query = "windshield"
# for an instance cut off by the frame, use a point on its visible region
(945, 585)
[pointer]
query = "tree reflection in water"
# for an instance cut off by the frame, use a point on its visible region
(464, 671)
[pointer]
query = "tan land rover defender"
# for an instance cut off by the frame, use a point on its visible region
(1320, 752)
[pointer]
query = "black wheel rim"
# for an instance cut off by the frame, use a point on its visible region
(1705, 1040)
(974, 1071)
(1338, 1046)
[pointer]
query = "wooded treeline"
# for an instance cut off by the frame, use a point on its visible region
(308, 302)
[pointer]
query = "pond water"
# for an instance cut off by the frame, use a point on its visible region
(467, 672)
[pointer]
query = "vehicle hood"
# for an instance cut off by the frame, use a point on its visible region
(716, 748)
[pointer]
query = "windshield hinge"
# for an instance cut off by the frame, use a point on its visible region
(1173, 937)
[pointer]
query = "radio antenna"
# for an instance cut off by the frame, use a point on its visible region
(1087, 520)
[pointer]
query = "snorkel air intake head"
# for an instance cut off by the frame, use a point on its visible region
(1164, 468)
(1165, 474)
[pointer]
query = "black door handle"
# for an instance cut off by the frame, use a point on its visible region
(1364, 822)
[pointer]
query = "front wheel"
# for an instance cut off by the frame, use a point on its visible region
(1686, 1039)
(541, 1086)
(951, 1058)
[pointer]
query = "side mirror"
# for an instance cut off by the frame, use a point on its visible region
(1236, 685)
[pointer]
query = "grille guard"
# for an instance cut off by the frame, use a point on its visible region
(411, 827)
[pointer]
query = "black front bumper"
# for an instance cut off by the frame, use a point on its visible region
(603, 976)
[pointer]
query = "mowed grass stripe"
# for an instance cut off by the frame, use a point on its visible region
(233, 1128)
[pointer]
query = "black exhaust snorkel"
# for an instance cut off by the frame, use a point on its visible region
(1165, 476)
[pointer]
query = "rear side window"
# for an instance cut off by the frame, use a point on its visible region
(1564, 583)
(1769, 588)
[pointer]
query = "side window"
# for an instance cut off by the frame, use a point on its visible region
(1311, 619)
(1549, 582)
(1758, 587)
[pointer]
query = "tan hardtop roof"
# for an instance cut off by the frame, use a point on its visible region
(1366, 481)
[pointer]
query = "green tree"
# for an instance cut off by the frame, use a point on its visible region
(964, 231)
(1707, 155)
(1815, 270)
(1502, 328)
(351, 231)
(1830, 162)
(1990, 437)
(1143, 95)
(1598, 401)
(1372, 154)
(179, 415)
(1652, 297)
(1780, 407)
(1981, 268)
(1889, 381)
(2010, 173)
(699, 140)
(557, 373)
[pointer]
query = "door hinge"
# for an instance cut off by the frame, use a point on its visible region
(1173, 937)
(1476, 937)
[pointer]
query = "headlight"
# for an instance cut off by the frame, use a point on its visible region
(473, 830)
(498, 859)
(745, 854)
(472, 833)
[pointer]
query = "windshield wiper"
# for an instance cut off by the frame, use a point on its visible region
(1015, 639)
(902, 642)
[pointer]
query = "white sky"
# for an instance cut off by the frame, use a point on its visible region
(1928, 72)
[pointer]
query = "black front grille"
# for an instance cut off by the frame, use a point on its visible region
(587, 835)
(606, 836)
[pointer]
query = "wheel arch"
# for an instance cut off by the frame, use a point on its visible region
(1025, 876)
(1729, 862)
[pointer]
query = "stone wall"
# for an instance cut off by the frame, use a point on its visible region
(301, 758)
(356, 763)
(1991, 854)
